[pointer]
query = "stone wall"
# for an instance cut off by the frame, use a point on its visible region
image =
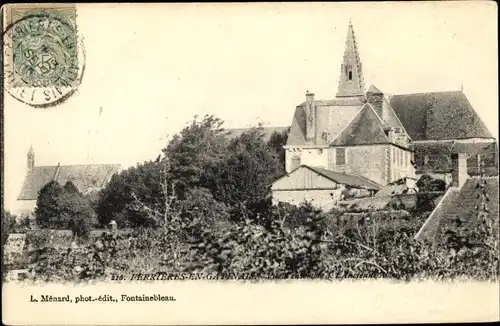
(367, 161)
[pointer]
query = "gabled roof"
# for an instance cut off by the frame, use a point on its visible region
(331, 116)
(366, 128)
(266, 131)
(438, 116)
(345, 178)
(85, 177)
(457, 209)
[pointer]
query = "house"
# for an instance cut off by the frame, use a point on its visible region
(385, 137)
(87, 178)
(458, 208)
(322, 187)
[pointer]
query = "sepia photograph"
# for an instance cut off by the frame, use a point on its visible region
(197, 155)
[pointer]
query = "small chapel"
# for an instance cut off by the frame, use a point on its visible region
(87, 178)
(366, 134)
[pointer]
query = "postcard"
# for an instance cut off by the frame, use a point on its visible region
(250, 163)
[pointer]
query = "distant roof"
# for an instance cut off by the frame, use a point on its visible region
(438, 116)
(85, 177)
(344, 178)
(267, 131)
(457, 209)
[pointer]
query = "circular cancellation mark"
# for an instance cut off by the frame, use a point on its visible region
(43, 58)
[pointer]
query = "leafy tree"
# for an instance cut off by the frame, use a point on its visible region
(63, 207)
(249, 171)
(141, 182)
(8, 224)
(276, 143)
(197, 155)
(71, 188)
(47, 207)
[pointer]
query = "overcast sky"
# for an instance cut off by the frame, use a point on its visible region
(151, 68)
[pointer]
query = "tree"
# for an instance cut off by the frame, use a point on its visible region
(62, 207)
(141, 182)
(276, 142)
(8, 225)
(249, 170)
(197, 155)
(70, 188)
(46, 205)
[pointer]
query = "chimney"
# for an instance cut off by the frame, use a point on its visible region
(31, 159)
(459, 169)
(310, 116)
(309, 97)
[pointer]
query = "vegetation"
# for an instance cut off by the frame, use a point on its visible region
(64, 207)
(203, 206)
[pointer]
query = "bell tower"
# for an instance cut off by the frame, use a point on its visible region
(351, 83)
(31, 159)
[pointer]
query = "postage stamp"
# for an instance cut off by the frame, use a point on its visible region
(43, 54)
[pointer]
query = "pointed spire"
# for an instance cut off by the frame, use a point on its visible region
(351, 82)
(31, 158)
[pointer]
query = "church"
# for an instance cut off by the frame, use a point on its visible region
(87, 179)
(366, 133)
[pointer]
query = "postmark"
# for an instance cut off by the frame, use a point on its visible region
(44, 57)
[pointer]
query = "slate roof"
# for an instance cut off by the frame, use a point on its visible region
(267, 131)
(438, 116)
(85, 177)
(345, 178)
(460, 204)
(366, 128)
(331, 116)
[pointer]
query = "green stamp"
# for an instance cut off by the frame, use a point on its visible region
(45, 50)
(43, 58)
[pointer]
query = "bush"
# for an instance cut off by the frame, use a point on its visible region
(62, 207)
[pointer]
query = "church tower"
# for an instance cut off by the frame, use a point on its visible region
(31, 159)
(351, 82)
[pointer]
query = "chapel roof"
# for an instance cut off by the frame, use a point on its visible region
(85, 177)
(438, 116)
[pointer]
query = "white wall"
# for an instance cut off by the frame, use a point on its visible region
(308, 156)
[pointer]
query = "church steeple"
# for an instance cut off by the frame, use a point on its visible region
(351, 82)
(31, 158)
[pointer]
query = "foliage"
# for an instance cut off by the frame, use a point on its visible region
(64, 207)
(248, 171)
(276, 142)
(47, 207)
(142, 181)
(427, 183)
(203, 206)
(8, 225)
(197, 155)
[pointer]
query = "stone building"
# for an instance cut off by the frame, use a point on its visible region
(322, 187)
(385, 137)
(87, 178)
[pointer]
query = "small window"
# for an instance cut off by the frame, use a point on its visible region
(320, 151)
(340, 156)
(350, 75)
